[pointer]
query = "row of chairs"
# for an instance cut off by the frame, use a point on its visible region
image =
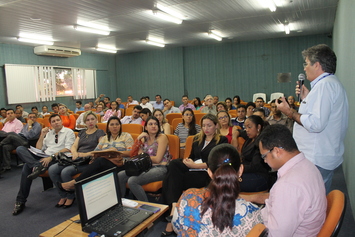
(273, 96)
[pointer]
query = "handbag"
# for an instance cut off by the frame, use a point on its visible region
(136, 165)
(113, 156)
(64, 160)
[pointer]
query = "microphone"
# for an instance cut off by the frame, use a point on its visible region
(301, 78)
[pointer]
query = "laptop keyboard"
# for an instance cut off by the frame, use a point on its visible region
(115, 217)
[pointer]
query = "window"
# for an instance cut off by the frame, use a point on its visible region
(64, 81)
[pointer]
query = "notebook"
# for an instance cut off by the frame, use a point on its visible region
(100, 206)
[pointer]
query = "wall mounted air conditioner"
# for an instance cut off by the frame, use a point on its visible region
(55, 51)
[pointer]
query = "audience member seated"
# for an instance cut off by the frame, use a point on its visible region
(78, 106)
(44, 111)
(100, 110)
(119, 103)
(84, 144)
(209, 107)
(215, 100)
(115, 140)
(169, 108)
(241, 116)
(55, 108)
(24, 113)
(186, 104)
(221, 106)
(226, 127)
(259, 103)
(255, 176)
(236, 101)
(296, 204)
(188, 127)
(113, 112)
(164, 125)
(106, 101)
(156, 145)
(134, 118)
(131, 101)
(188, 173)
(291, 101)
(3, 115)
(34, 110)
(68, 120)
(229, 104)
(145, 104)
(276, 117)
(80, 122)
(11, 123)
(250, 108)
(29, 133)
(197, 103)
(18, 115)
(145, 114)
(218, 209)
(260, 112)
(51, 142)
(158, 104)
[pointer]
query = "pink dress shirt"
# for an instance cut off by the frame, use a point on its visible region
(297, 202)
(13, 126)
(109, 114)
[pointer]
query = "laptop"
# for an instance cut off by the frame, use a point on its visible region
(100, 206)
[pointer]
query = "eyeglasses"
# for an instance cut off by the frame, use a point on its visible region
(224, 117)
(56, 138)
(265, 154)
(190, 115)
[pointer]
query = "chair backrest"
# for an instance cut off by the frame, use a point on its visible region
(336, 204)
(134, 136)
(170, 117)
(174, 145)
(102, 126)
(188, 146)
(198, 117)
(39, 120)
(77, 115)
(175, 122)
(276, 95)
(122, 113)
(132, 128)
(262, 95)
(129, 111)
(233, 113)
(46, 122)
(79, 112)
(1, 125)
(259, 230)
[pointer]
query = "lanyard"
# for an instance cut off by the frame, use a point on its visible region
(321, 79)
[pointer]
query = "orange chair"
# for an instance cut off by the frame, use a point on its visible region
(46, 122)
(132, 128)
(129, 111)
(131, 106)
(102, 126)
(259, 230)
(122, 113)
(233, 113)
(98, 117)
(174, 149)
(79, 112)
(175, 123)
(188, 146)
(198, 117)
(1, 125)
(240, 144)
(40, 120)
(170, 117)
(336, 205)
(76, 115)
(134, 136)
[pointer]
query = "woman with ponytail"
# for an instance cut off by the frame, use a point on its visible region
(217, 210)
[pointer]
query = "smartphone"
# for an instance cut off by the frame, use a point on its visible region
(149, 208)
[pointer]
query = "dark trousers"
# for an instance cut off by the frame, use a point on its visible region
(100, 164)
(253, 182)
(179, 178)
(30, 161)
(10, 141)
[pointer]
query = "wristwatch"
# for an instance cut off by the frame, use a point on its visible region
(30, 126)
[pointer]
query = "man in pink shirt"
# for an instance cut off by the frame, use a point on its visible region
(296, 204)
(12, 124)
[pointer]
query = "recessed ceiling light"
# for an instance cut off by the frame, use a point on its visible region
(91, 30)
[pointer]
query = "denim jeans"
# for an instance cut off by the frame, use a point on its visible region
(327, 176)
(156, 173)
(62, 174)
(253, 182)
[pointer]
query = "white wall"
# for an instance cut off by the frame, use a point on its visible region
(344, 47)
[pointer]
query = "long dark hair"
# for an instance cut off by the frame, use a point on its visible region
(224, 162)
(192, 127)
(118, 107)
(108, 130)
(146, 123)
(198, 101)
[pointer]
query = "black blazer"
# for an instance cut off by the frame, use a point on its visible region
(251, 159)
(198, 153)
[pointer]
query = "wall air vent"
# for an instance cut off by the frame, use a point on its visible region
(55, 51)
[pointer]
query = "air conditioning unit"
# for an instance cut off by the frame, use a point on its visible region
(55, 51)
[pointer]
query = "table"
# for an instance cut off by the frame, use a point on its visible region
(70, 228)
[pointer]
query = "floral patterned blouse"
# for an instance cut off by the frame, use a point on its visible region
(152, 151)
(187, 219)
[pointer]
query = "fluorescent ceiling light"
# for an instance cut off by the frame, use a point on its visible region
(35, 41)
(214, 36)
(287, 28)
(166, 16)
(106, 50)
(170, 11)
(271, 5)
(93, 25)
(91, 30)
(155, 43)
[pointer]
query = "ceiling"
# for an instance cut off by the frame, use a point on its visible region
(131, 22)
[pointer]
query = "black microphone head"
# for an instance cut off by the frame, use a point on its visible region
(301, 77)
